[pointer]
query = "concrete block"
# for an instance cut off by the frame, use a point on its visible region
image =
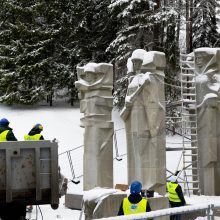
(73, 201)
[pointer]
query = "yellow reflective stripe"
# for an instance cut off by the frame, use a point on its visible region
(3, 135)
(173, 196)
(130, 208)
(35, 137)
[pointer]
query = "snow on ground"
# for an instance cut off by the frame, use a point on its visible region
(62, 213)
(62, 123)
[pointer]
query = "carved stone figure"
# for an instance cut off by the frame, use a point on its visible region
(207, 72)
(95, 83)
(207, 67)
(144, 117)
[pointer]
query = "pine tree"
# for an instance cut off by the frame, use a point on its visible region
(93, 31)
(34, 60)
(134, 30)
(204, 24)
(147, 25)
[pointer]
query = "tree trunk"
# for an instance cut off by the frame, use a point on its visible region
(190, 27)
(178, 22)
(189, 11)
(157, 29)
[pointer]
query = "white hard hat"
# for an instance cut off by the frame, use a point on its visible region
(172, 179)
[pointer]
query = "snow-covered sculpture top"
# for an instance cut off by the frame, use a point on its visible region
(94, 76)
(144, 64)
(134, 63)
(207, 69)
(142, 61)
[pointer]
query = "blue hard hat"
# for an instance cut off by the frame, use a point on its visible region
(4, 121)
(136, 187)
(38, 126)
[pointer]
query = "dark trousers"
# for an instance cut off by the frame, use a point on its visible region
(175, 205)
(175, 217)
(15, 210)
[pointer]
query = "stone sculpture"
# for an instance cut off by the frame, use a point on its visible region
(207, 70)
(95, 83)
(144, 117)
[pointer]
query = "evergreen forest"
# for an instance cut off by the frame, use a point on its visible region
(43, 41)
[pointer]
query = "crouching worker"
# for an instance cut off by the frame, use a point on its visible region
(134, 203)
(175, 196)
(35, 133)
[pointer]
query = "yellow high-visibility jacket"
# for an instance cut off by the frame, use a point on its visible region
(35, 137)
(3, 135)
(173, 196)
(130, 208)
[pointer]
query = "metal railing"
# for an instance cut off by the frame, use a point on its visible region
(208, 208)
(75, 179)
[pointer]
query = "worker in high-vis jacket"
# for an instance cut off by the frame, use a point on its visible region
(15, 210)
(6, 133)
(134, 203)
(35, 133)
(175, 195)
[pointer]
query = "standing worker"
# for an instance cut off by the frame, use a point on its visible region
(175, 195)
(6, 133)
(15, 210)
(35, 133)
(134, 204)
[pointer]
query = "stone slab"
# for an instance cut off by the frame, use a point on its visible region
(73, 201)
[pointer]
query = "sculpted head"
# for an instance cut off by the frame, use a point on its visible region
(90, 77)
(90, 73)
(206, 59)
(137, 59)
(137, 63)
(202, 58)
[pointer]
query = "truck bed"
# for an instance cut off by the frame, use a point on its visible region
(29, 171)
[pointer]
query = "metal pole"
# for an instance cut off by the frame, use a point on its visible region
(71, 168)
(209, 212)
(116, 147)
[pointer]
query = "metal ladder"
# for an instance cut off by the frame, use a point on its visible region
(189, 125)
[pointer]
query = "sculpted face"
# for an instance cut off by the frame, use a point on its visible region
(137, 63)
(90, 77)
(202, 59)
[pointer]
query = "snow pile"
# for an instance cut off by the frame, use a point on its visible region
(194, 199)
(164, 212)
(97, 194)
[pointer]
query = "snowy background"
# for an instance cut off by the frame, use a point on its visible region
(62, 123)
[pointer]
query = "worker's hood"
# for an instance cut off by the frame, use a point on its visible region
(4, 128)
